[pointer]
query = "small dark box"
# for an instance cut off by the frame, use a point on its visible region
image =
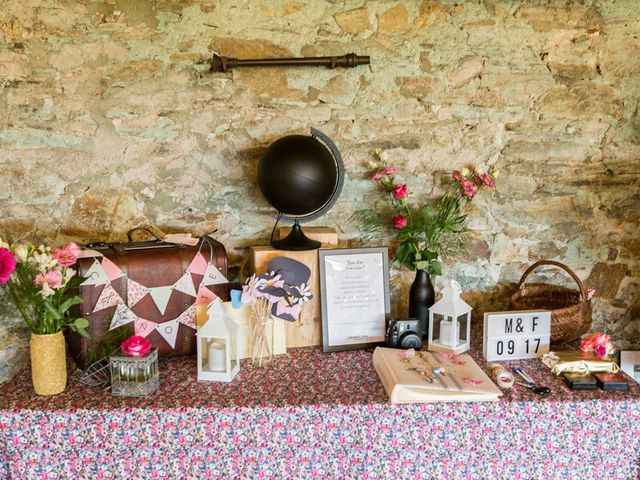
(612, 381)
(580, 381)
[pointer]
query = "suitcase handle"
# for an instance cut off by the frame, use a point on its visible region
(141, 229)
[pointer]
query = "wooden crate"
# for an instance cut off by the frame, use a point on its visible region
(308, 330)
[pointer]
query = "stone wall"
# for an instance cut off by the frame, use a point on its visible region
(109, 118)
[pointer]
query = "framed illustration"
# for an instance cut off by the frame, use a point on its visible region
(630, 363)
(354, 294)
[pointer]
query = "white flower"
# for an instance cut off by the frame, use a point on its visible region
(43, 261)
(21, 252)
(46, 290)
(3, 244)
(465, 172)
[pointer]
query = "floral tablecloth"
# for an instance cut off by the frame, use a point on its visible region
(313, 415)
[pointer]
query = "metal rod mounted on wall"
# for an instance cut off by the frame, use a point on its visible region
(350, 60)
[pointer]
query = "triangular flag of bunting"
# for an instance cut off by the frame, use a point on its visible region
(108, 298)
(213, 276)
(185, 284)
(198, 265)
(95, 275)
(144, 327)
(135, 292)
(188, 317)
(122, 316)
(205, 296)
(161, 296)
(169, 331)
(111, 269)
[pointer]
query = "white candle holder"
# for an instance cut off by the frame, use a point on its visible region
(450, 322)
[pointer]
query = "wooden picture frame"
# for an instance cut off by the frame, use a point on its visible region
(354, 293)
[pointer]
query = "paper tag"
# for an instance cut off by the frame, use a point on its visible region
(181, 239)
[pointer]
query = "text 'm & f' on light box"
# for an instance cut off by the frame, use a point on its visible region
(513, 335)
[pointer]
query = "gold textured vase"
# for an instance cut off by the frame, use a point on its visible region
(48, 363)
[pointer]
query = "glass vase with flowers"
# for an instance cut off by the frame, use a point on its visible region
(425, 231)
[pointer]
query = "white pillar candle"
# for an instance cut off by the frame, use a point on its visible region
(446, 327)
(217, 358)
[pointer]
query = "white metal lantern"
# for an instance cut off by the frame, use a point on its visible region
(218, 346)
(450, 322)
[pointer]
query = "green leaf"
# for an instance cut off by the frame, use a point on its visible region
(68, 303)
(52, 311)
(81, 323)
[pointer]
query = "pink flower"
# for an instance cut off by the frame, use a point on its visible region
(65, 257)
(399, 221)
(488, 180)
(136, 346)
(50, 279)
(457, 176)
(468, 190)
(73, 247)
(7, 265)
(390, 170)
(599, 343)
(590, 293)
(400, 191)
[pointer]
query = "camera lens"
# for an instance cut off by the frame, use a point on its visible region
(411, 340)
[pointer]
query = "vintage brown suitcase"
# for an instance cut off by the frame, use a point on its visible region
(149, 264)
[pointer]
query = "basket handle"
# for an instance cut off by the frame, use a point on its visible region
(562, 266)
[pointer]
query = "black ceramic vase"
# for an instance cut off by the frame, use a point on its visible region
(421, 297)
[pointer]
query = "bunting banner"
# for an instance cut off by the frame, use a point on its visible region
(185, 284)
(111, 269)
(135, 292)
(161, 296)
(169, 331)
(122, 316)
(144, 327)
(198, 265)
(95, 275)
(213, 276)
(108, 298)
(188, 317)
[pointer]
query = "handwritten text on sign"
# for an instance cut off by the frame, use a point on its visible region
(517, 334)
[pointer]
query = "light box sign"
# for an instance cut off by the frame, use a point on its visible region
(517, 334)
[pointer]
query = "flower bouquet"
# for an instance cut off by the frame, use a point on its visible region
(270, 295)
(426, 230)
(38, 280)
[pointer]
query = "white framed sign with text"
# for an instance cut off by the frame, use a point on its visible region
(516, 334)
(354, 288)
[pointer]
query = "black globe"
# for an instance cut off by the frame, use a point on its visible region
(297, 175)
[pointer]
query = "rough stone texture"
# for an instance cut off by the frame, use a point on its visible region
(109, 118)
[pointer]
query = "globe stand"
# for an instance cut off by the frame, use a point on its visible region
(296, 240)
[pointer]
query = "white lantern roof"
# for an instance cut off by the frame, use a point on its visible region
(216, 308)
(451, 304)
(218, 327)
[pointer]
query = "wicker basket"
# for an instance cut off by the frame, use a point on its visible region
(570, 309)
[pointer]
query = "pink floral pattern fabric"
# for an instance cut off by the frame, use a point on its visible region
(311, 415)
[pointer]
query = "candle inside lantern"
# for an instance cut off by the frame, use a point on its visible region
(446, 327)
(217, 358)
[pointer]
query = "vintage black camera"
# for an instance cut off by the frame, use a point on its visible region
(404, 333)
